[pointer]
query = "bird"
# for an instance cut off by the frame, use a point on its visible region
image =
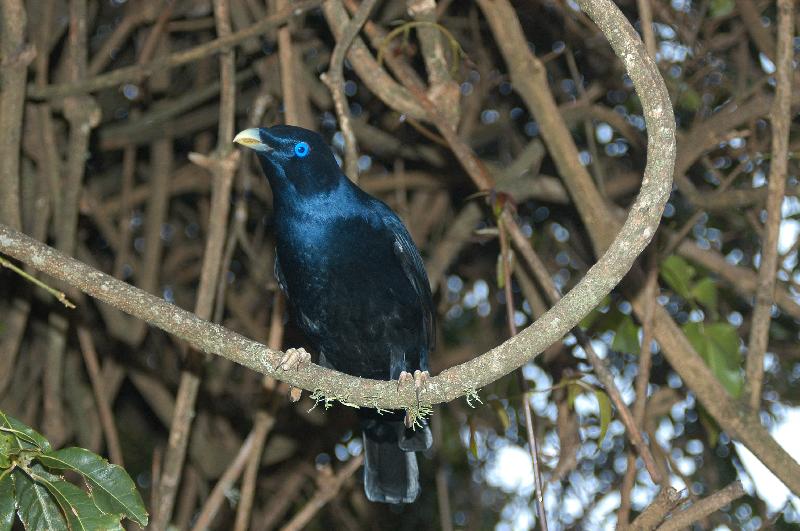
(356, 286)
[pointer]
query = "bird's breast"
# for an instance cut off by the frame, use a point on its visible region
(340, 257)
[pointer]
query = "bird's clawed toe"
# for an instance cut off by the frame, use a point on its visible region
(405, 377)
(294, 358)
(420, 381)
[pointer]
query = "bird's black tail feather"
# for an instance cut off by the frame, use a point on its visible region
(391, 474)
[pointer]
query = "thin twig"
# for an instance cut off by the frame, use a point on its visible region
(294, 92)
(245, 507)
(13, 70)
(222, 166)
(646, 20)
(641, 384)
(325, 493)
(100, 395)
(506, 259)
(136, 73)
(334, 79)
(250, 447)
(601, 370)
(781, 117)
(59, 295)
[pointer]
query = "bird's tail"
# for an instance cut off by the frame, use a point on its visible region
(390, 464)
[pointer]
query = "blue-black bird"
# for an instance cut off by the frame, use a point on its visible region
(355, 286)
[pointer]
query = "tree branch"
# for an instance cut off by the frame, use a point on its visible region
(780, 116)
(139, 72)
(334, 79)
(704, 507)
(451, 383)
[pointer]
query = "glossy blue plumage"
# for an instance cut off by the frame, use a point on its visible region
(355, 285)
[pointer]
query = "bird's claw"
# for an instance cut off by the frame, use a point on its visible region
(293, 358)
(405, 377)
(420, 379)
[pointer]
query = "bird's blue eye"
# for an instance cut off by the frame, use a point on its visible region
(301, 149)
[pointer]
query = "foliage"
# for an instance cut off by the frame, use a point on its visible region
(31, 486)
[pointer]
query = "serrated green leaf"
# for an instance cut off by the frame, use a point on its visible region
(704, 291)
(678, 274)
(720, 8)
(25, 436)
(80, 510)
(6, 500)
(605, 412)
(36, 507)
(111, 487)
(718, 344)
(626, 337)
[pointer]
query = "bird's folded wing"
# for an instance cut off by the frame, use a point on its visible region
(279, 276)
(411, 261)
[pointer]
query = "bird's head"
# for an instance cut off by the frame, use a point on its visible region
(294, 159)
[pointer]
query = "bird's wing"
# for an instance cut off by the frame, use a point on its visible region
(279, 276)
(411, 261)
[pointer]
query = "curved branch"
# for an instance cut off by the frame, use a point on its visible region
(371, 73)
(462, 379)
(334, 79)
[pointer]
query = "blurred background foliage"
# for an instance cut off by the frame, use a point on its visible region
(144, 216)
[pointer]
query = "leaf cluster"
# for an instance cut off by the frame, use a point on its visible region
(33, 485)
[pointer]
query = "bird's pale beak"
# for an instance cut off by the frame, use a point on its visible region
(252, 139)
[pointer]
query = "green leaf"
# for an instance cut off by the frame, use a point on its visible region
(501, 271)
(690, 99)
(605, 412)
(705, 292)
(609, 320)
(594, 314)
(710, 425)
(626, 337)
(720, 8)
(7, 447)
(36, 507)
(779, 332)
(502, 414)
(112, 488)
(677, 273)
(81, 512)
(473, 440)
(6, 500)
(23, 434)
(573, 390)
(718, 343)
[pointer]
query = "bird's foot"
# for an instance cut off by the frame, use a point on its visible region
(405, 377)
(294, 358)
(420, 379)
